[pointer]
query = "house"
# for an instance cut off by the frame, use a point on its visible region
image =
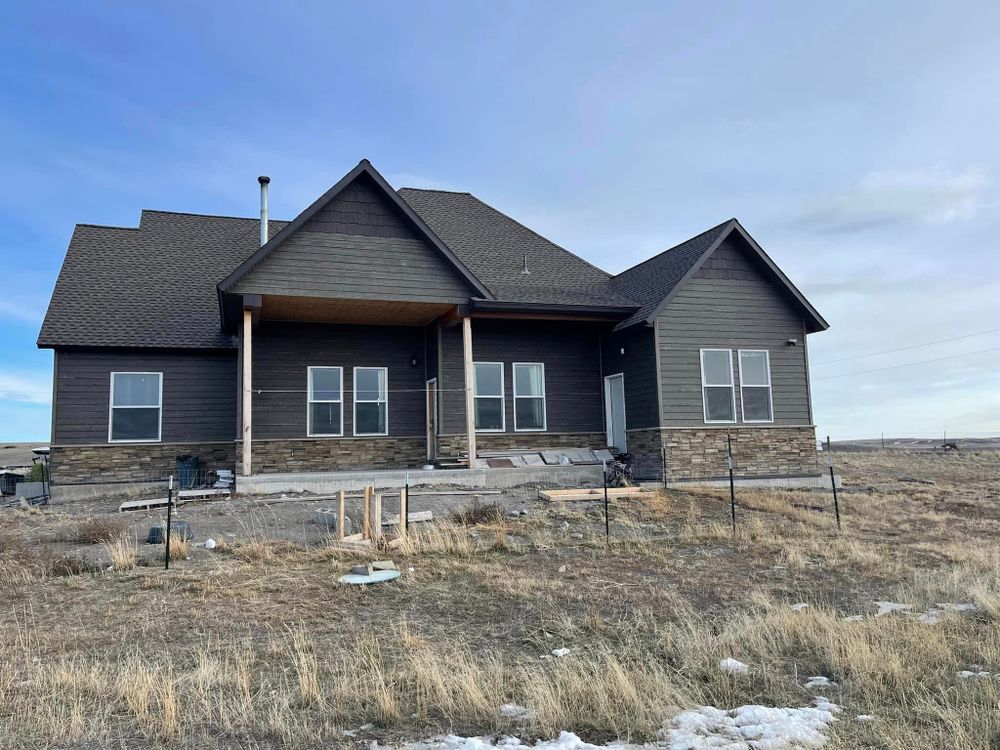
(384, 328)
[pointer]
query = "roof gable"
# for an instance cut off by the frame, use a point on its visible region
(657, 281)
(361, 202)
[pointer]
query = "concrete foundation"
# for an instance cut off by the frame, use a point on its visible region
(327, 482)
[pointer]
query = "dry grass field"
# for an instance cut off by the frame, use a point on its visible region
(255, 645)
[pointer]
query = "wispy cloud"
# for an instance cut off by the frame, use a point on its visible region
(34, 389)
(912, 196)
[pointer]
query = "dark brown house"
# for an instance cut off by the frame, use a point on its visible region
(385, 328)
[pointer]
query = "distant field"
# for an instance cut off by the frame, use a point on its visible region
(917, 444)
(255, 645)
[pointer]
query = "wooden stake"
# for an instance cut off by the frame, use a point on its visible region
(340, 514)
(367, 532)
(377, 517)
(403, 514)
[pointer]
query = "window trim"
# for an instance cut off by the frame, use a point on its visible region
(545, 415)
(731, 386)
(112, 407)
(310, 401)
(502, 397)
(770, 386)
(355, 402)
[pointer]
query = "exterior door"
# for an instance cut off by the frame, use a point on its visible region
(432, 416)
(614, 410)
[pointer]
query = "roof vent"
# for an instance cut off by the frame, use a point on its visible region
(263, 180)
(524, 268)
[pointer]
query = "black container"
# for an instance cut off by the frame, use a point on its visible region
(187, 471)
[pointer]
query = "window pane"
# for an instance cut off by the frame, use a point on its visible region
(489, 379)
(530, 413)
(528, 380)
(136, 390)
(135, 424)
(754, 368)
(717, 367)
(370, 384)
(489, 414)
(324, 419)
(719, 404)
(369, 419)
(324, 384)
(756, 404)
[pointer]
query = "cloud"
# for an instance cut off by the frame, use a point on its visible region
(35, 389)
(894, 197)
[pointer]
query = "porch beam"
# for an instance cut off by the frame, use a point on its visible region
(470, 415)
(247, 411)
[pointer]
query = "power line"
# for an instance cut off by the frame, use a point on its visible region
(905, 348)
(909, 364)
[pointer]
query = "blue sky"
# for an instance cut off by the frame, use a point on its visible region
(856, 141)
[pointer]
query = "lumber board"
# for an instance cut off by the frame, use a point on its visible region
(592, 494)
(420, 515)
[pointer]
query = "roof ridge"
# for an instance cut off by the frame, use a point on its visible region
(673, 247)
(541, 236)
(435, 190)
(205, 216)
(106, 226)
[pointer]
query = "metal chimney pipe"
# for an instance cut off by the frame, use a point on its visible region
(263, 180)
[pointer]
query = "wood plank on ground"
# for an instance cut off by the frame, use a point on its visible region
(596, 493)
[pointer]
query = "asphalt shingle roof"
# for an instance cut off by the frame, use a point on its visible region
(649, 282)
(493, 246)
(155, 285)
(150, 286)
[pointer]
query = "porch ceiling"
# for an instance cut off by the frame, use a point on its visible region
(324, 310)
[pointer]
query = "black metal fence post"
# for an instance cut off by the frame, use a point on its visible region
(833, 481)
(170, 504)
(732, 483)
(406, 489)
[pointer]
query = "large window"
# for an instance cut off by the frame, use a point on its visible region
(326, 397)
(717, 385)
(755, 386)
(371, 401)
(529, 397)
(487, 389)
(136, 401)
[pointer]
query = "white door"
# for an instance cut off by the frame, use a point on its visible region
(614, 410)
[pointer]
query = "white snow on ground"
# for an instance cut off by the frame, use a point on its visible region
(819, 681)
(966, 674)
(797, 607)
(560, 652)
(854, 618)
(864, 717)
(885, 608)
(750, 728)
(518, 713)
(733, 666)
(565, 741)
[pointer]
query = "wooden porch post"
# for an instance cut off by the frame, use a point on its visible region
(470, 415)
(246, 468)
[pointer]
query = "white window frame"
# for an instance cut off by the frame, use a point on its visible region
(310, 401)
(545, 416)
(159, 407)
(354, 399)
(770, 387)
(731, 386)
(502, 397)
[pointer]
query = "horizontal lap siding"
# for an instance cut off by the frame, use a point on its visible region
(569, 351)
(282, 352)
(358, 246)
(638, 368)
(729, 304)
(199, 398)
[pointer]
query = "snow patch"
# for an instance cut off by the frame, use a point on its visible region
(746, 727)
(565, 741)
(518, 713)
(560, 652)
(819, 681)
(885, 608)
(864, 717)
(854, 618)
(967, 674)
(797, 607)
(732, 666)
